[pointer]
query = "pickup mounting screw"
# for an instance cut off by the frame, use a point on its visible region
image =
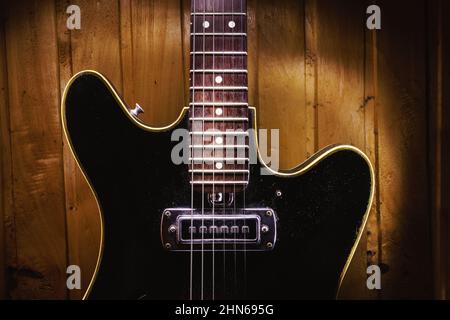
(168, 245)
(278, 193)
(268, 213)
(167, 213)
(172, 229)
(264, 229)
(269, 245)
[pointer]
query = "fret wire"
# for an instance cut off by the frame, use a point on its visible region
(220, 171)
(218, 88)
(192, 177)
(218, 182)
(218, 13)
(234, 34)
(218, 119)
(236, 53)
(225, 65)
(221, 104)
(219, 71)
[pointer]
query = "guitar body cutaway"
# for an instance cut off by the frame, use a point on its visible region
(321, 206)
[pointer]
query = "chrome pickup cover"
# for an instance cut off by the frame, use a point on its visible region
(230, 230)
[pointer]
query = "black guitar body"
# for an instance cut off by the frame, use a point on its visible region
(321, 206)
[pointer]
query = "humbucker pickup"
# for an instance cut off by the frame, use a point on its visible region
(233, 230)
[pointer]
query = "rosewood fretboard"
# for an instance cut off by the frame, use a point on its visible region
(218, 95)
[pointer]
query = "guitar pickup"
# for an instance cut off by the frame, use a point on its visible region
(224, 228)
(243, 229)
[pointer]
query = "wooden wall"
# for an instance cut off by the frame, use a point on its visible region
(315, 72)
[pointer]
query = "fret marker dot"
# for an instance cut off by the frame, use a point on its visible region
(232, 24)
(219, 79)
(205, 24)
(219, 111)
(219, 165)
(219, 140)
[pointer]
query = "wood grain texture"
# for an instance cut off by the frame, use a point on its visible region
(8, 217)
(5, 163)
(38, 191)
(280, 38)
(404, 203)
(446, 136)
(71, 171)
(156, 60)
(439, 138)
(126, 50)
(373, 234)
(437, 155)
(340, 59)
(311, 78)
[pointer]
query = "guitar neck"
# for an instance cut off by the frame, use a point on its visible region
(219, 92)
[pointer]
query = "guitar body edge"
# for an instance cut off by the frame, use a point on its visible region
(322, 206)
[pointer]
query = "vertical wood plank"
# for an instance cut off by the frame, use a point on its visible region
(156, 60)
(340, 98)
(38, 187)
(436, 142)
(439, 140)
(281, 76)
(445, 101)
(373, 234)
(126, 50)
(311, 78)
(8, 222)
(405, 218)
(340, 49)
(70, 172)
(5, 163)
(96, 46)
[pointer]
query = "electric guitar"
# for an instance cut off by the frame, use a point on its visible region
(206, 218)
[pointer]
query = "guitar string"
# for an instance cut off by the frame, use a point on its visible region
(243, 23)
(203, 152)
(223, 109)
(192, 150)
(203, 162)
(242, 95)
(214, 155)
(224, 141)
(235, 139)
